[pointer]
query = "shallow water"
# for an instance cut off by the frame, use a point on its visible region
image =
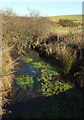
(24, 68)
(28, 100)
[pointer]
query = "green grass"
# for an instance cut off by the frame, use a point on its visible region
(61, 31)
(71, 17)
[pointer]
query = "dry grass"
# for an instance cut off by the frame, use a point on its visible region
(7, 73)
(66, 58)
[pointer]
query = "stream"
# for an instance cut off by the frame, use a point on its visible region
(28, 101)
(54, 99)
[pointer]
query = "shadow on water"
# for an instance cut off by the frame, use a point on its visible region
(68, 104)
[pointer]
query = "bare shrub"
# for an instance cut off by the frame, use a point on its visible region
(8, 25)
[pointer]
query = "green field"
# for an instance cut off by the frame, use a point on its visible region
(78, 18)
(61, 31)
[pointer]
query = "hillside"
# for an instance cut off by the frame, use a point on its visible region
(77, 18)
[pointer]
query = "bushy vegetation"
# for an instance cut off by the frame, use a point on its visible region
(66, 23)
(17, 32)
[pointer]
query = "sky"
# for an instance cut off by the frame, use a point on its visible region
(46, 8)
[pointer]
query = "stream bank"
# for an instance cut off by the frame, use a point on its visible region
(42, 81)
